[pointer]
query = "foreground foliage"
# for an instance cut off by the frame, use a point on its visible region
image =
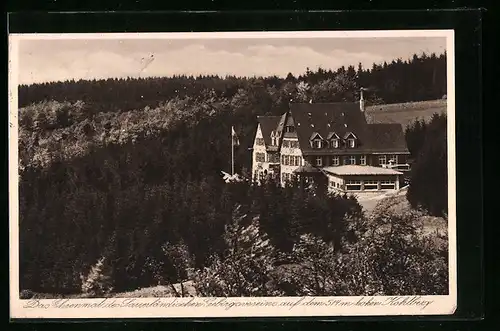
(393, 256)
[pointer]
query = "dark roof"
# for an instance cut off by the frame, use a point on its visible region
(267, 125)
(326, 119)
(387, 137)
(306, 169)
(343, 118)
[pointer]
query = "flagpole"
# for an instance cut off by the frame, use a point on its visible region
(232, 152)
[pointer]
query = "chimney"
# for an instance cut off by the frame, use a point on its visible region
(361, 100)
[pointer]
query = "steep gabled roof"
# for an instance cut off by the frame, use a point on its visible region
(267, 125)
(314, 135)
(332, 135)
(387, 137)
(349, 134)
(325, 118)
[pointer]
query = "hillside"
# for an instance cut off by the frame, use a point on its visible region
(116, 174)
(405, 113)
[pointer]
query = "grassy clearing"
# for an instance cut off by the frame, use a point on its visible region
(405, 113)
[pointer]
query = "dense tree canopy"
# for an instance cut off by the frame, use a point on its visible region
(429, 175)
(423, 77)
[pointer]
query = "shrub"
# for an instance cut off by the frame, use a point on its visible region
(246, 265)
(98, 282)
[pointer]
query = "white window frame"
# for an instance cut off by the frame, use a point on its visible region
(352, 159)
(336, 160)
(394, 158)
(319, 161)
(362, 159)
(382, 158)
(351, 142)
(317, 143)
(392, 183)
(335, 143)
(349, 183)
(373, 184)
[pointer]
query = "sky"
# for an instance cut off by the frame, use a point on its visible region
(61, 59)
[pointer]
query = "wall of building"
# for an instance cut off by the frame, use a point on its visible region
(375, 160)
(371, 159)
(290, 152)
(335, 183)
(338, 183)
(258, 166)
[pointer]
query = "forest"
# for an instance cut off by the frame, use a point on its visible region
(120, 188)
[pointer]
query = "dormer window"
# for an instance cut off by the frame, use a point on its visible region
(350, 139)
(316, 140)
(334, 140)
(289, 129)
(274, 138)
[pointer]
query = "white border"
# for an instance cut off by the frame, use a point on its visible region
(440, 305)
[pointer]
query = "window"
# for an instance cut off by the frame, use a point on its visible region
(387, 185)
(259, 141)
(273, 158)
(382, 159)
(353, 185)
(362, 160)
(334, 143)
(350, 143)
(317, 143)
(287, 159)
(394, 159)
(371, 185)
(289, 129)
(319, 161)
(335, 160)
(260, 157)
(352, 159)
(346, 160)
(285, 176)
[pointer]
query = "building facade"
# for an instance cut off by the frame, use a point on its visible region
(332, 144)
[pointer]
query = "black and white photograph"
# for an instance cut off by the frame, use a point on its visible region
(232, 174)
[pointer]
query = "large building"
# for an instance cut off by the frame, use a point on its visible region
(333, 145)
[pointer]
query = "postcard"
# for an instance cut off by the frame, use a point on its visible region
(232, 174)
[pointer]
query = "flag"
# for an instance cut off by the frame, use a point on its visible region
(236, 141)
